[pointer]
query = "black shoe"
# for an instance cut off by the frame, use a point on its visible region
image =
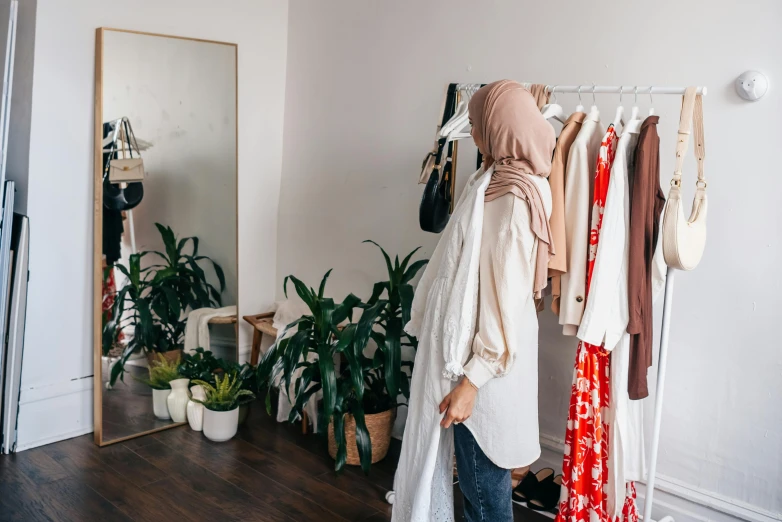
(530, 484)
(546, 497)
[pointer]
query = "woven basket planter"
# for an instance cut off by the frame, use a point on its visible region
(171, 356)
(379, 426)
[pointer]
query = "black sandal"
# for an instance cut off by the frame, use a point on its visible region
(530, 484)
(546, 497)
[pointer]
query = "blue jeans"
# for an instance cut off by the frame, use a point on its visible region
(485, 486)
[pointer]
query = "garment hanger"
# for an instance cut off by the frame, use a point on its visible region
(634, 113)
(620, 111)
(580, 106)
(461, 114)
(554, 110)
(651, 102)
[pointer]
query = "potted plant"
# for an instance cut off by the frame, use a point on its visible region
(358, 402)
(161, 373)
(221, 406)
(151, 308)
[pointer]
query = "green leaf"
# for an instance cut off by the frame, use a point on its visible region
(406, 294)
(377, 291)
(388, 260)
(302, 290)
(339, 439)
(118, 368)
(363, 441)
(328, 379)
(323, 284)
(407, 259)
(269, 401)
(413, 270)
(292, 355)
(392, 352)
(344, 310)
(169, 241)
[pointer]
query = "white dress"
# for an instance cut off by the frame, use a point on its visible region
(444, 318)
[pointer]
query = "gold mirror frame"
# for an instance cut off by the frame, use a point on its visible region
(97, 279)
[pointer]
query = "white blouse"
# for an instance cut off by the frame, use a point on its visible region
(504, 364)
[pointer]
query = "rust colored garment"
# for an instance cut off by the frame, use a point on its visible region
(646, 204)
(557, 264)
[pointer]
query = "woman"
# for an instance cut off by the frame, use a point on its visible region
(483, 336)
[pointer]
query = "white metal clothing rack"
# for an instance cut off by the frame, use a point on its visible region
(668, 298)
(592, 89)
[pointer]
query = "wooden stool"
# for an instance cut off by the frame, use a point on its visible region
(264, 324)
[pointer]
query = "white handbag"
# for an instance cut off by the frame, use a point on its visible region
(127, 169)
(685, 239)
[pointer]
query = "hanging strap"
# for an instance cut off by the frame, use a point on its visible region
(691, 120)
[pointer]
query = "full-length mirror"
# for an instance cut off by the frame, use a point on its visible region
(165, 222)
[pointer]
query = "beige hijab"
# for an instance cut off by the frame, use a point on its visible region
(511, 133)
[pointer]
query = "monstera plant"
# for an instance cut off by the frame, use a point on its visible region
(327, 353)
(151, 308)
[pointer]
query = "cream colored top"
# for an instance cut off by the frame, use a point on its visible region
(581, 165)
(504, 364)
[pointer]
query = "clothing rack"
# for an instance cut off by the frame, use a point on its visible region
(668, 298)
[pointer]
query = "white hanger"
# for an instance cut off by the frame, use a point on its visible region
(461, 114)
(580, 106)
(635, 111)
(554, 110)
(651, 102)
(620, 111)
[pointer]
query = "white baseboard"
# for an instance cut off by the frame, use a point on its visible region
(54, 411)
(672, 497)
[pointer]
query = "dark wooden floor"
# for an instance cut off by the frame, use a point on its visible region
(268, 472)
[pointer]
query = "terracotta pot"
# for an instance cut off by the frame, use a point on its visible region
(171, 356)
(379, 426)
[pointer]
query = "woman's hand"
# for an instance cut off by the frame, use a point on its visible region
(458, 404)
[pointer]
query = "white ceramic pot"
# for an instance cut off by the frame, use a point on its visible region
(160, 404)
(220, 425)
(177, 401)
(195, 411)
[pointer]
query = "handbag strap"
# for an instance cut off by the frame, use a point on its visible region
(690, 121)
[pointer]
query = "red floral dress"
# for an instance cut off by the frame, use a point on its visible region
(585, 465)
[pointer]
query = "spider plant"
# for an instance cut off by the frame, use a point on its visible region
(154, 302)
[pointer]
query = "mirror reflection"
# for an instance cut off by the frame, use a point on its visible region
(168, 247)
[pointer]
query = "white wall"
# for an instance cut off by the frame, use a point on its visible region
(17, 167)
(365, 80)
(180, 96)
(56, 383)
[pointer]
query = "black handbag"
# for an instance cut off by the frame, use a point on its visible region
(435, 208)
(115, 196)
